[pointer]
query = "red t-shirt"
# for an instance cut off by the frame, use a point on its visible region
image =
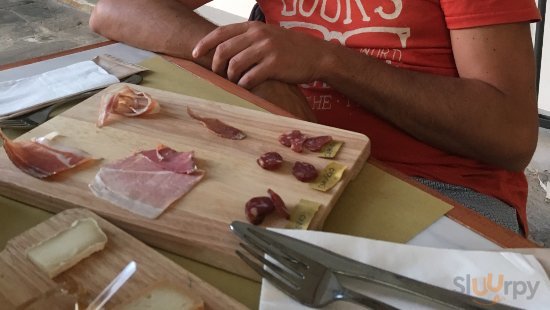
(414, 35)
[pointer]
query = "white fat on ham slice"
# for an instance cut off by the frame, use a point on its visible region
(142, 186)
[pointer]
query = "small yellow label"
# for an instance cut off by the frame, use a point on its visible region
(330, 149)
(328, 177)
(302, 214)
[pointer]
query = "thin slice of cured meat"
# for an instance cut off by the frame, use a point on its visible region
(294, 139)
(270, 161)
(41, 157)
(315, 144)
(147, 186)
(279, 204)
(304, 172)
(128, 102)
(169, 159)
(218, 127)
(257, 208)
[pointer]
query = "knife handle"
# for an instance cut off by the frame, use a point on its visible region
(452, 299)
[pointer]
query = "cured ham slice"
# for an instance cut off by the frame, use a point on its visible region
(41, 157)
(169, 159)
(128, 102)
(218, 127)
(147, 182)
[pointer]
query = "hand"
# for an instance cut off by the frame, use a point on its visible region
(252, 52)
(287, 97)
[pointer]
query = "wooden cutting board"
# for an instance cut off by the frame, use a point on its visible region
(195, 226)
(22, 281)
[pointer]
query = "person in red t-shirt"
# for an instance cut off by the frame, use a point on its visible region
(444, 89)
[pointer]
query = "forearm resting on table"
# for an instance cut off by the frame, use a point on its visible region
(492, 119)
(163, 26)
(172, 28)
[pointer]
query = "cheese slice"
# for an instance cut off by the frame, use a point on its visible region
(68, 247)
(166, 296)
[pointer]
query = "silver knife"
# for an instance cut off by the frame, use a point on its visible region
(113, 287)
(348, 267)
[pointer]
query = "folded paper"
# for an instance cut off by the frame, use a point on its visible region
(511, 278)
(24, 94)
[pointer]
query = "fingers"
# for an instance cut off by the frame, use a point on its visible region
(239, 52)
(227, 51)
(217, 36)
(256, 75)
(242, 62)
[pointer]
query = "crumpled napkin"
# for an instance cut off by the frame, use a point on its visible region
(23, 94)
(511, 278)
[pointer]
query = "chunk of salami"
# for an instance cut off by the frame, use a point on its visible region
(304, 172)
(279, 204)
(270, 161)
(315, 144)
(257, 208)
(294, 139)
(218, 127)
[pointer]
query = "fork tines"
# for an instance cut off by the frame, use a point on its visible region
(286, 268)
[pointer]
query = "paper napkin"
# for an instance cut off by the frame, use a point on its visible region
(511, 278)
(23, 94)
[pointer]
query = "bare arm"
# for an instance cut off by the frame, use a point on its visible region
(488, 113)
(164, 26)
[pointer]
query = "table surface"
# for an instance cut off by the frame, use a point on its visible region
(460, 229)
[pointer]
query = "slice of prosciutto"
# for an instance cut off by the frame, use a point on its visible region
(126, 101)
(218, 127)
(169, 159)
(41, 157)
(147, 182)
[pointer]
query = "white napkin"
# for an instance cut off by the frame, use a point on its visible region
(524, 282)
(23, 94)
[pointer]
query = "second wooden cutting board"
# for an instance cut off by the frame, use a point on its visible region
(22, 281)
(195, 226)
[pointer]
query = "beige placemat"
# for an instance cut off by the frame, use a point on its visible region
(167, 76)
(375, 205)
(380, 206)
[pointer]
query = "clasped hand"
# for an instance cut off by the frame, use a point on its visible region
(250, 53)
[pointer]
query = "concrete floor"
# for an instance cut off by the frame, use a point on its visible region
(538, 208)
(30, 28)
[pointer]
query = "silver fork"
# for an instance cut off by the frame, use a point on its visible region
(35, 118)
(305, 280)
(30, 120)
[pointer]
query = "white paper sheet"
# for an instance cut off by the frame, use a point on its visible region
(514, 279)
(23, 94)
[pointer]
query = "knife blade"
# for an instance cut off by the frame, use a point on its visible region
(345, 266)
(113, 287)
